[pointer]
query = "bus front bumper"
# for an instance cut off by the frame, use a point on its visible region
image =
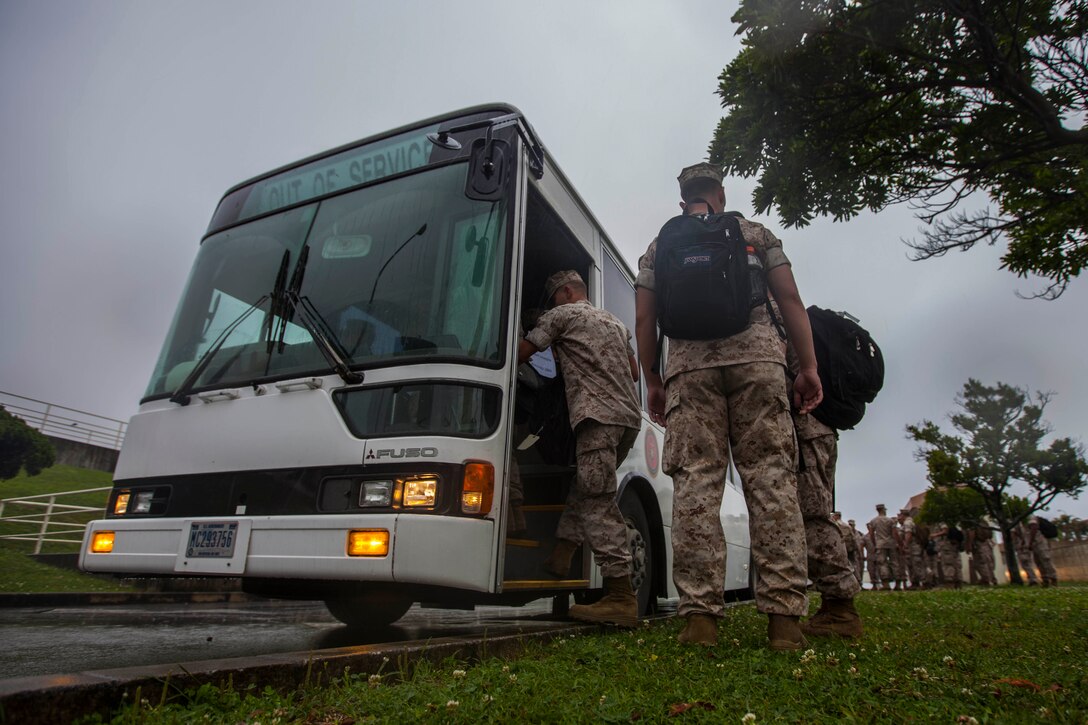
(439, 550)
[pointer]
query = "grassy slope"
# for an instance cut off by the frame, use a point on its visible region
(23, 574)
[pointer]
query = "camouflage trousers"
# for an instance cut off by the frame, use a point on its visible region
(592, 514)
(708, 412)
(1027, 563)
(888, 560)
(829, 566)
(951, 564)
(872, 565)
(915, 558)
(1041, 550)
(982, 554)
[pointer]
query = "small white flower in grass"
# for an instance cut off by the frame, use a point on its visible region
(374, 680)
(967, 720)
(1067, 649)
(1043, 712)
(506, 668)
(748, 717)
(458, 674)
(385, 660)
(603, 698)
(948, 661)
(966, 691)
(641, 641)
(488, 698)
(513, 678)
(921, 673)
(854, 671)
(798, 674)
(452, 704)
(736, 643)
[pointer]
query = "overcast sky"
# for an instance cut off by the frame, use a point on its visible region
(122, 123)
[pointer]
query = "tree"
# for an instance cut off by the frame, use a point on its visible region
(22, 447)
(1000, 431)
(845, 105)
(956, 505)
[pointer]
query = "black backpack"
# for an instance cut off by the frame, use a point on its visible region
(1047, 528)
(702, 283)
(850, 364)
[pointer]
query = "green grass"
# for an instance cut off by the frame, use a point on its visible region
(52, 480)
(985, 655)
(25, 575)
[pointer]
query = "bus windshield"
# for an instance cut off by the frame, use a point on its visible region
(408, 268)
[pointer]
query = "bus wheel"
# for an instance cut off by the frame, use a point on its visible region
(368, 611)
(642, 554)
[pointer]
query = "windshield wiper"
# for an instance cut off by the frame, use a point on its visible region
(277, 308)
(181, 395)
(328, 344)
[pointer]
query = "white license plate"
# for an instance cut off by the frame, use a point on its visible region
(211, 539)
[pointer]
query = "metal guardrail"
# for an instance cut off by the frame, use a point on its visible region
(69, 423)
(53, 524)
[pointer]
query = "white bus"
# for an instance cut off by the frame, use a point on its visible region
(337, 409)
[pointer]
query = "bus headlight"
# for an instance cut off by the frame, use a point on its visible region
(120, 504)
(479, 487)
(376, 494)
(143, 502)
(420, 491)
(102, 542)
(368, 542)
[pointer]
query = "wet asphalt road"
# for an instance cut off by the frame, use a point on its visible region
(49, 641)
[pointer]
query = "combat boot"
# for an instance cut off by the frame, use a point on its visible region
(784, 633)
(699, 629)
(558, 562)
(619, 606)
(836, 618)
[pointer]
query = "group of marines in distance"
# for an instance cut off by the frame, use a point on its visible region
(901, 553)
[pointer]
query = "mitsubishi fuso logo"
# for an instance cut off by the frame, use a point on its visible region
(392, 453)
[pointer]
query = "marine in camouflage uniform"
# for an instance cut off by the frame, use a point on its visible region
(886, 542)
(872, 558)
(729, 395)
(859, 548)
(911, 548)
(980, 547)
(594, 352)
(1040, 549)
(948, 552)
(1024, 554)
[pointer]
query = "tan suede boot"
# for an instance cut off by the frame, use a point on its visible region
(784, 633)
(699, 629)
(619, 606)
(558, 562)
(836, 618)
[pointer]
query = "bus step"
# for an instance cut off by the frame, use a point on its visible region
(523, 543)
(514, 584)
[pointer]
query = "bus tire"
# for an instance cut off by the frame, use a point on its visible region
(368, 611)
(643, 573)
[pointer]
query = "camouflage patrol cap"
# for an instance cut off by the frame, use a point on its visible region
(851, 522)
(704, 170)
(557, 280)
(881, 507)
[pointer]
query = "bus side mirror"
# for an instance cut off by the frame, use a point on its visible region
(487, 169)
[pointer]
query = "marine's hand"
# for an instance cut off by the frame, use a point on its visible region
(807, 391)
(656, 399)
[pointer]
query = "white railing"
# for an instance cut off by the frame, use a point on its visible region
(46, 520)
(61, 422)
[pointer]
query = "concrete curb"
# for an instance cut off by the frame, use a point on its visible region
(63, 698)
